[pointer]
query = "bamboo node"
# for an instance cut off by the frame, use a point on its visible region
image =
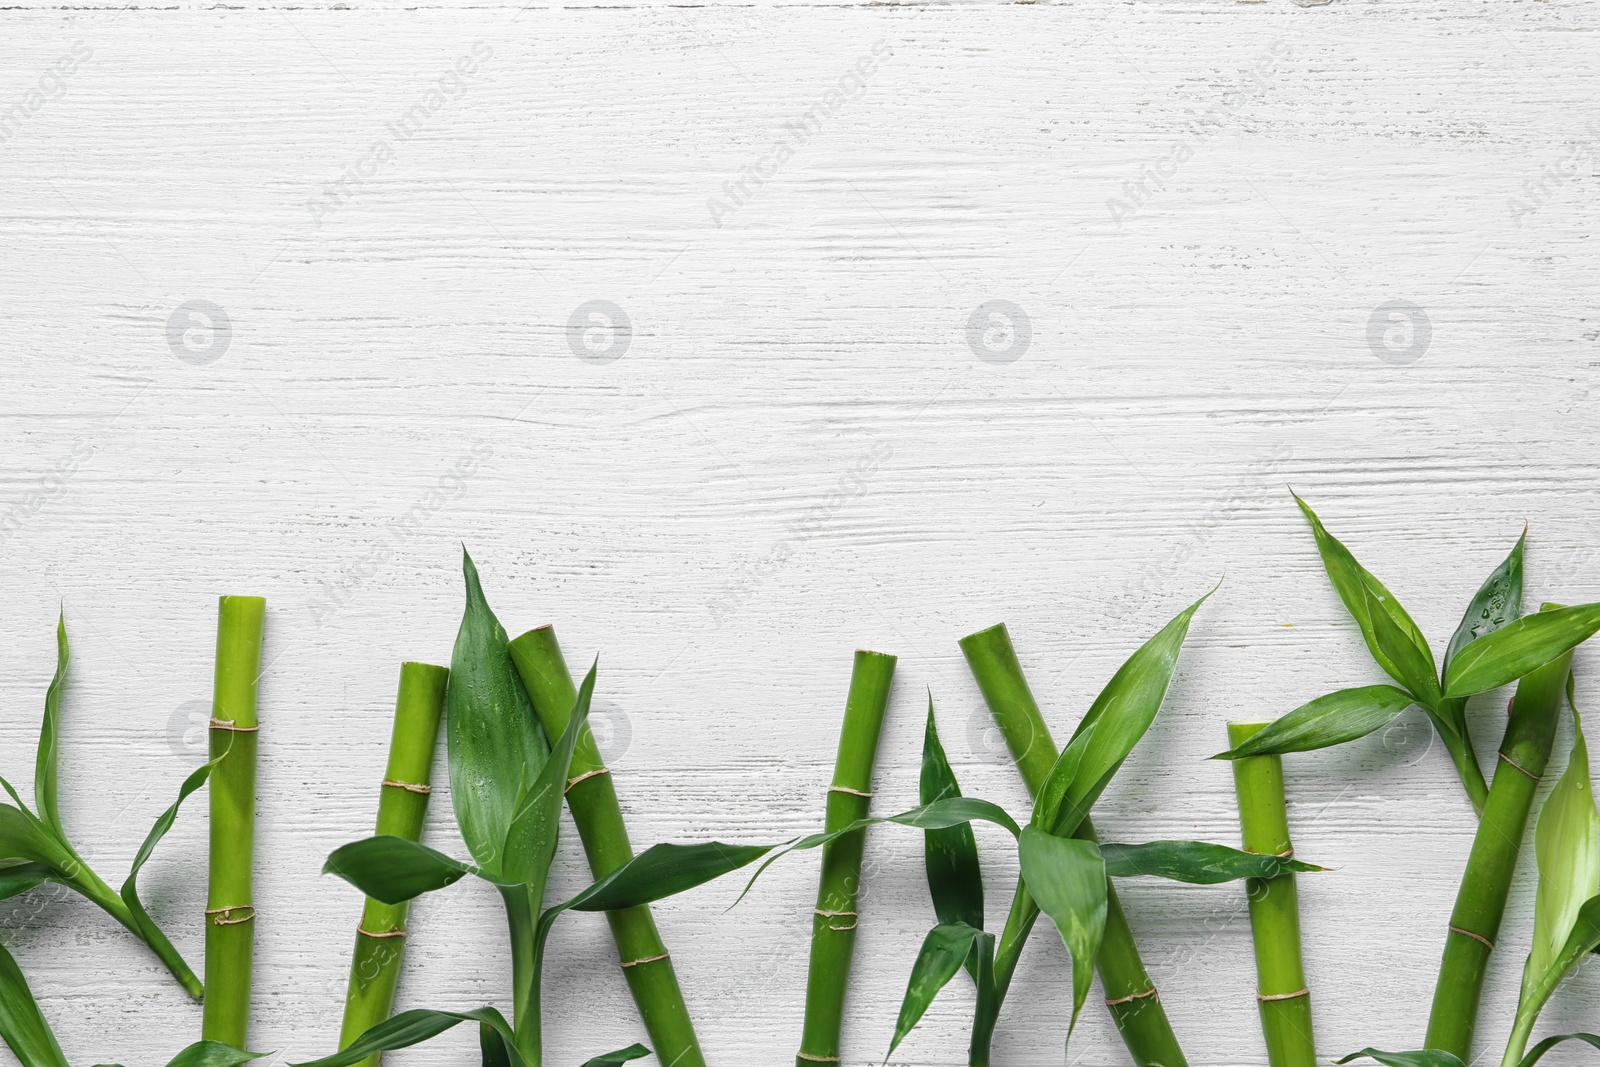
(362, 931)
(409, 787)
(232, 726)
(831, 914)
(1519, 766)
(586, 774)
(1267, 997)
(1475, 937)
(648, 959)
(224, 916)
(847, 789)
(1151, 992)
(809, 1058)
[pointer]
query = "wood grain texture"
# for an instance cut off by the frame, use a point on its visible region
(798, 453)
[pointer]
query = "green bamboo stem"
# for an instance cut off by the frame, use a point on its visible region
(402, 807)
(833, 925)
(1131, 996)
(1481, 900)
(230, 902)
(592, 798)
(527, 1023)
(1464, 756)
(1281, 989)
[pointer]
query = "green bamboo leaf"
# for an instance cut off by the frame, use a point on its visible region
(1195, 862)
(1536, 1053)
(622, 1055)
(1115, 722)
(1567, 845)
(152, 934)
(1422, 1058)
(531, 841)
(1067, 878)
(1411, 661)
(1518, 648)
(45, 767)
(22, 1025)
(209, 1054)
(394, 870)
(943, 951)
(1498, 602)
(18, 878)
(1354, 583)
(414, 1027)
(495, 744)
(1327, 721)
(494, 1050)
(25, 838)
(950, 854)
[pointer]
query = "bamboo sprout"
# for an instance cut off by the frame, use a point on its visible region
(1281, 989)
(833, 927)
(592, 798)
(230, 907)
(402, 807)
(1130, 994)
(1481, 900)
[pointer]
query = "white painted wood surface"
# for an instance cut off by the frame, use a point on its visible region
(798, 453)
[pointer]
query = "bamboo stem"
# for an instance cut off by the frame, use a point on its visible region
(1131, 996)
(527, 1023)
(1281, 987)
(402, 807)
(592, 798)
(1481, 900)
(833, 924)
(230, 903)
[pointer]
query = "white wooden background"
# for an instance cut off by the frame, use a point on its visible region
(800, 451)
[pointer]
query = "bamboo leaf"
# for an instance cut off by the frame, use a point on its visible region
(1567, 845)
(1067, 879)
(413, 1027)
(494, 1050)
(1497, 602)
(950, 854)
(1115, 722)
(495, 743)
(1411, 661)
(531, 841)
(943, 951)
(45, 766)
(1354, 583)
(1195, 862)
(622, 1055)
(210, 1054)
(1536, 1053)
(18, 878)
(394, 870)
(22, 1025)
(1327, 721)
(24, 837)
(1422, 1058)
(1518, 648)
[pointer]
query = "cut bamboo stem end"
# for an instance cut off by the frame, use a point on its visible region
(1281, 991)
(1140, 1018)
(838, 890)
(592, 798)
(230, 934)
(1481, 900)
(402, 808)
